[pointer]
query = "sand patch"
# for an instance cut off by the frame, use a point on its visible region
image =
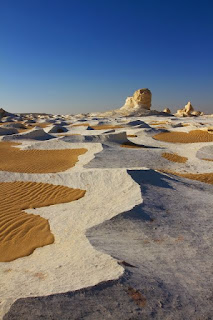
(81, 125)
(184, 137)
(156, 123)
(69, 134)
(105, 127)
(37, 161)
(22, 233)
(130, 144)
(174, 157)
(203, 177)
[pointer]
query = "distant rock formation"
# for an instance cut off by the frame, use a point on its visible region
(4, 113)
(141, 99)
(167, 110)
(188, 111)
(138, 105)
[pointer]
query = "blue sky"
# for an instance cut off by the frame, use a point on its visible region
(80, 56)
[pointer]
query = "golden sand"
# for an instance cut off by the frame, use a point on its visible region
(106, 127)
(185, 124)
(28, 125)
(36, 161)
(203, 177)
(22, 233)
(69, 134)
(174, 157)
(98, 127)
(130, 144)
(81, 125)
(156, 123)
(183, 137)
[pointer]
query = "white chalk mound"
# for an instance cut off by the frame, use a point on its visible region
(14, 125)
(138, 123)
(119, 137)
(56, 129)
(7, 131)
(34, 134)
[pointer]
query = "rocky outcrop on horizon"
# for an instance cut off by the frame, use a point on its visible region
(167, 110)
(188, 111)
(140, 101)
(4, 113)
(138, 105)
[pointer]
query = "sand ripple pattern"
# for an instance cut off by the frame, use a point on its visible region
(37, 161)
(174, 157)
(184, 137)
(21, 233)
(202, 177)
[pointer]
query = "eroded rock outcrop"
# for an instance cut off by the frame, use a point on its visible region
(167, 110)
(188, 111)
(141, 99)
(138, 105)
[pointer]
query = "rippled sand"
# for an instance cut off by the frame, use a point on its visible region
(174, 157)
(22, 233)
(203, 177)
(106, 127)
(183, 137)
(37, 161)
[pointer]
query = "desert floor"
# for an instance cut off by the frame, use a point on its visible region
(106, 218)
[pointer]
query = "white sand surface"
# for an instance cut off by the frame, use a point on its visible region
(71, 263)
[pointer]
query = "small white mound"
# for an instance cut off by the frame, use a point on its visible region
(119, 137)
(139, 123)
(56, 129)
(30, 121)
(35, 134)
(15, 125)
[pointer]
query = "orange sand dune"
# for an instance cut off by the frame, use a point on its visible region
(37, 161)
(174, 157)
(22, 233)
(183, 137)
(203, 177)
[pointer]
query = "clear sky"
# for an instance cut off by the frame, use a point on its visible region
(67, 57)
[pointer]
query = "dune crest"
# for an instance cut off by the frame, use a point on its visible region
(22, 233)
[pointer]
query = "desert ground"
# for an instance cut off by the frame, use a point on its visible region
(106, 217)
